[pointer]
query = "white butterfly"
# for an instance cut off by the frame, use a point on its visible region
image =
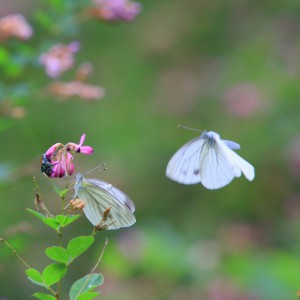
(104, 204)
(209, 160)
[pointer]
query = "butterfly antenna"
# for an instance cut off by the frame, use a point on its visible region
(189, 128)
(101, 167)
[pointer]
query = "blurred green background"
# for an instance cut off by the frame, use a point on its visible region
(228, 66)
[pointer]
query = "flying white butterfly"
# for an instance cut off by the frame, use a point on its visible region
(105, 205)
(210, 160)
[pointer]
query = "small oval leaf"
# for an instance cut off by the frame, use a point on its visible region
(35, 276)
(85, 284)
(88, 296)
(36, 214)
(54, 273)
(57, 253)
(71, 219)
(79, 245)
(52, 223)
(66, 220)
(43, 296)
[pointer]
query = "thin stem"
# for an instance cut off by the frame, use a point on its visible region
(58, 289)
(63, 204)
(94, 268)
(15, 252)
(24, 262)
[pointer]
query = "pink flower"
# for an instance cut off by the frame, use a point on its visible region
(84, 91)
(64, 165)
(15, 26)
(59, 58)
(78, 148)
(58, 159)
(49, 153)
(116, 10)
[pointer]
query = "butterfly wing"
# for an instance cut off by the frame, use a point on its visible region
(222, 164)
(215, 168)
(115, 192)
(236, 161)
(232, 145)
(99, 196)
(184, 166)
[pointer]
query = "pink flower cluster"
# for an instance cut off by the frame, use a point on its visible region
(82, 90)
(116, 10)
(59, 58)
(57, 161)
(15, 26)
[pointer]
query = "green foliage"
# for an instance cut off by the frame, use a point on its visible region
(66, 220)
(79, 245)
(43, 296)
(57, 253)
(37, 214)
(82, 288)
(76, 247)
(51, 222)
(54, 273)
(59, 191)
(88, 296)
(35, 276)
(57, 222)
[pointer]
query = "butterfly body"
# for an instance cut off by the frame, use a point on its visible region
(99, 197)
(210, 137)
(210, 160)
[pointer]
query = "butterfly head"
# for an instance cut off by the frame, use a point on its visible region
(210, 137)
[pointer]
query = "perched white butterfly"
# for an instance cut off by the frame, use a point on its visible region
(104, 204)
(210, 160)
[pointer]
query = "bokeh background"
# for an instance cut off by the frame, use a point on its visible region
(228, 66)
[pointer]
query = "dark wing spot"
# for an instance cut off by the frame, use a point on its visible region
(197, 172)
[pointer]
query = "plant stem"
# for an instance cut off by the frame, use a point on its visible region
(15, 252)
(95, 267)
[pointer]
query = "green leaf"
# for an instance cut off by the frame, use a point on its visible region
(36, 214)
(52, 223)
(84, 285)
(66, 220)
(35, 276)
(63, 192)
(43, 296)
(59, 191)
(71, 219)
(88, 296)
(59, 254)
(61, 219)
(79, 245)
(54, 273)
